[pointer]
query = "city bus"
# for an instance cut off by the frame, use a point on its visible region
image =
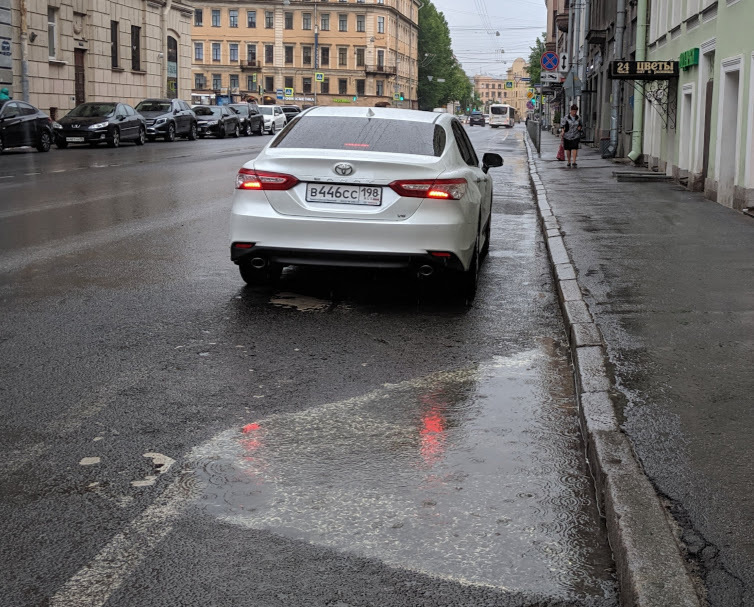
(502, 115)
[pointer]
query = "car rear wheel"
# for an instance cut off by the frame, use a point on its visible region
(247, 131)
(272, 128)
(487, 235)
(142, 136)
(114, 140)
(44, 143)
(170, 135)
(260, 276)
(469, 278)
(236, 131)
(192, 133)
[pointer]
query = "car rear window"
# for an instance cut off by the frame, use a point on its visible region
(366, 134)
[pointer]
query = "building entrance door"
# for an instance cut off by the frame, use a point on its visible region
(707, 128)
(80, 75)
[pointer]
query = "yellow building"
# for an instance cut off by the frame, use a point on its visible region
(511, 90)
(350, 52)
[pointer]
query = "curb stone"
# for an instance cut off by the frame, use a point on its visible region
(651, 571)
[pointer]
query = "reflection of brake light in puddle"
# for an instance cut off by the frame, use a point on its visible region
(251, 442)
(432, 437)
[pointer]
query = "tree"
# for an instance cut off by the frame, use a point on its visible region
(535, 59)
(441, 77)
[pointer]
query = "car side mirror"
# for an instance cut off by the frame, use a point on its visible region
(176, 112)
(490, 160)
(120, 117)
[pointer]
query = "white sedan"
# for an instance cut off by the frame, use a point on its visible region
(274, 118)
(365, 187)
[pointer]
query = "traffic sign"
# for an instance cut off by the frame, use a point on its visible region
(509, 84)
(279, 93)
(289, 92)
(548, 77)
(396, 96)
(563, 63)
(319, 76)
(529, 105)
(529, 95)
(549, 61)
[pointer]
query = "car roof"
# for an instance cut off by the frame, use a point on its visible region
(378, 112)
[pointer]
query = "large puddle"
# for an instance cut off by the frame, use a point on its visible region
(475, 475)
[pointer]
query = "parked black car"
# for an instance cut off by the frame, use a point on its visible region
(290, 111)
(168, 118)
(95, 122)
(217, 120)
(476, 118)
(22, 124)
(252, 121)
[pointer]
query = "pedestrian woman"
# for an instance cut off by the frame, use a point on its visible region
(570, 134)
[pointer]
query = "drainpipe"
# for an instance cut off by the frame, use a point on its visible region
(620, 26)
(641, 55)
(24, 53)
(575, 59)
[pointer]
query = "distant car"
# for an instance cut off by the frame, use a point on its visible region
(168, 118)
(486, 118)
(252, 122)
(22, 124)
(274, 119)
(476, 118)
(217, 120)
(386, 188)
(290, 111)
(96, 122)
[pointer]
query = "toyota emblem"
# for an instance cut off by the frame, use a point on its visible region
(343, 169)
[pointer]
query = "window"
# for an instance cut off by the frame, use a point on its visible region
(288, 82)
(343, 23)
(360, 23)
(215, 17)
(251, 18)
(234, 81)
(289, 21)
(199, 81)
(251, 52)
(307, 86)
(233, 47)
(198, 17)
(307, 55)
(269, 53)
(135, 48)
(250, 83)
(52, 30)
(198, 51)
(380, 88)
(380, 25)
(325, 87)
(360, 88)
(233, 18)
(380, 59)
(359, 57)
(325, 22)
(217, 81)
(343, 57)
(215, 51)
(307, 21)
(269, 83)
(114, 44)
(325, 60)
(464, 145)
(269, 19)
(289, 54)
(342, 86)
(499, 86)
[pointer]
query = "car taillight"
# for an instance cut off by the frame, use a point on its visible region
(443, 189)
(249, 179)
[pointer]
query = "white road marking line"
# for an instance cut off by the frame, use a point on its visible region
(7, 177)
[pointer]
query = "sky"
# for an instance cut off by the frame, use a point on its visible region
(475, 23)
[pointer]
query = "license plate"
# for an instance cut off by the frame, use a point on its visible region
(344, 194)
(74, 139)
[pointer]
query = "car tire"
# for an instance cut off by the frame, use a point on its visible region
(142, 136)
(221, 133)
(170, 135)
(61, 144)
(192, 132)
(114, 141)
(1, 144)
(260, 130)
(260, 277)
(469, 278)
(272, 128)
(248, 131)
(236, 132)
(45, 142)
(487, 235)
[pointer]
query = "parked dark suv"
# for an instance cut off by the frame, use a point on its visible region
(168, 118)
(252, 121)
(22, 124)
(476, 118)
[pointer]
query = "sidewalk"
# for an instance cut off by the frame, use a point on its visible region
(668, 278)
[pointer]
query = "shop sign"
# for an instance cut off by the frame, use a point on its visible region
(689, 58)
(342, 101)
(644, 70)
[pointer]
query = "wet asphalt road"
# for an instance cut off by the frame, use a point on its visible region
(170, 437)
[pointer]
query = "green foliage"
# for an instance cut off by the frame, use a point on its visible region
(535, 59)
(436, 60)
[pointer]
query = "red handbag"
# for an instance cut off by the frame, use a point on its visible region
(561, 152)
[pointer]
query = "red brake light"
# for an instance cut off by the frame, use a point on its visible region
(443, 189)
(249, 179)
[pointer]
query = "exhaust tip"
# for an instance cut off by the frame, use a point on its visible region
(258, 263)
(426, 270)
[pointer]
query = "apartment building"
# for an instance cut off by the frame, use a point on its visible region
(349, 52)
(59, 53)
(511, 90)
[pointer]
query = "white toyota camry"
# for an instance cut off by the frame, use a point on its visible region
(364, 187)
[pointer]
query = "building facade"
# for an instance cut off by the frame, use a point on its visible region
(511, 90)
(350, 52)
(705, 136)
(59, 53)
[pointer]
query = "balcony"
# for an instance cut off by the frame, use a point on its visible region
(251, 65)
(381, 69)
(596, 36)
(562, 21)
